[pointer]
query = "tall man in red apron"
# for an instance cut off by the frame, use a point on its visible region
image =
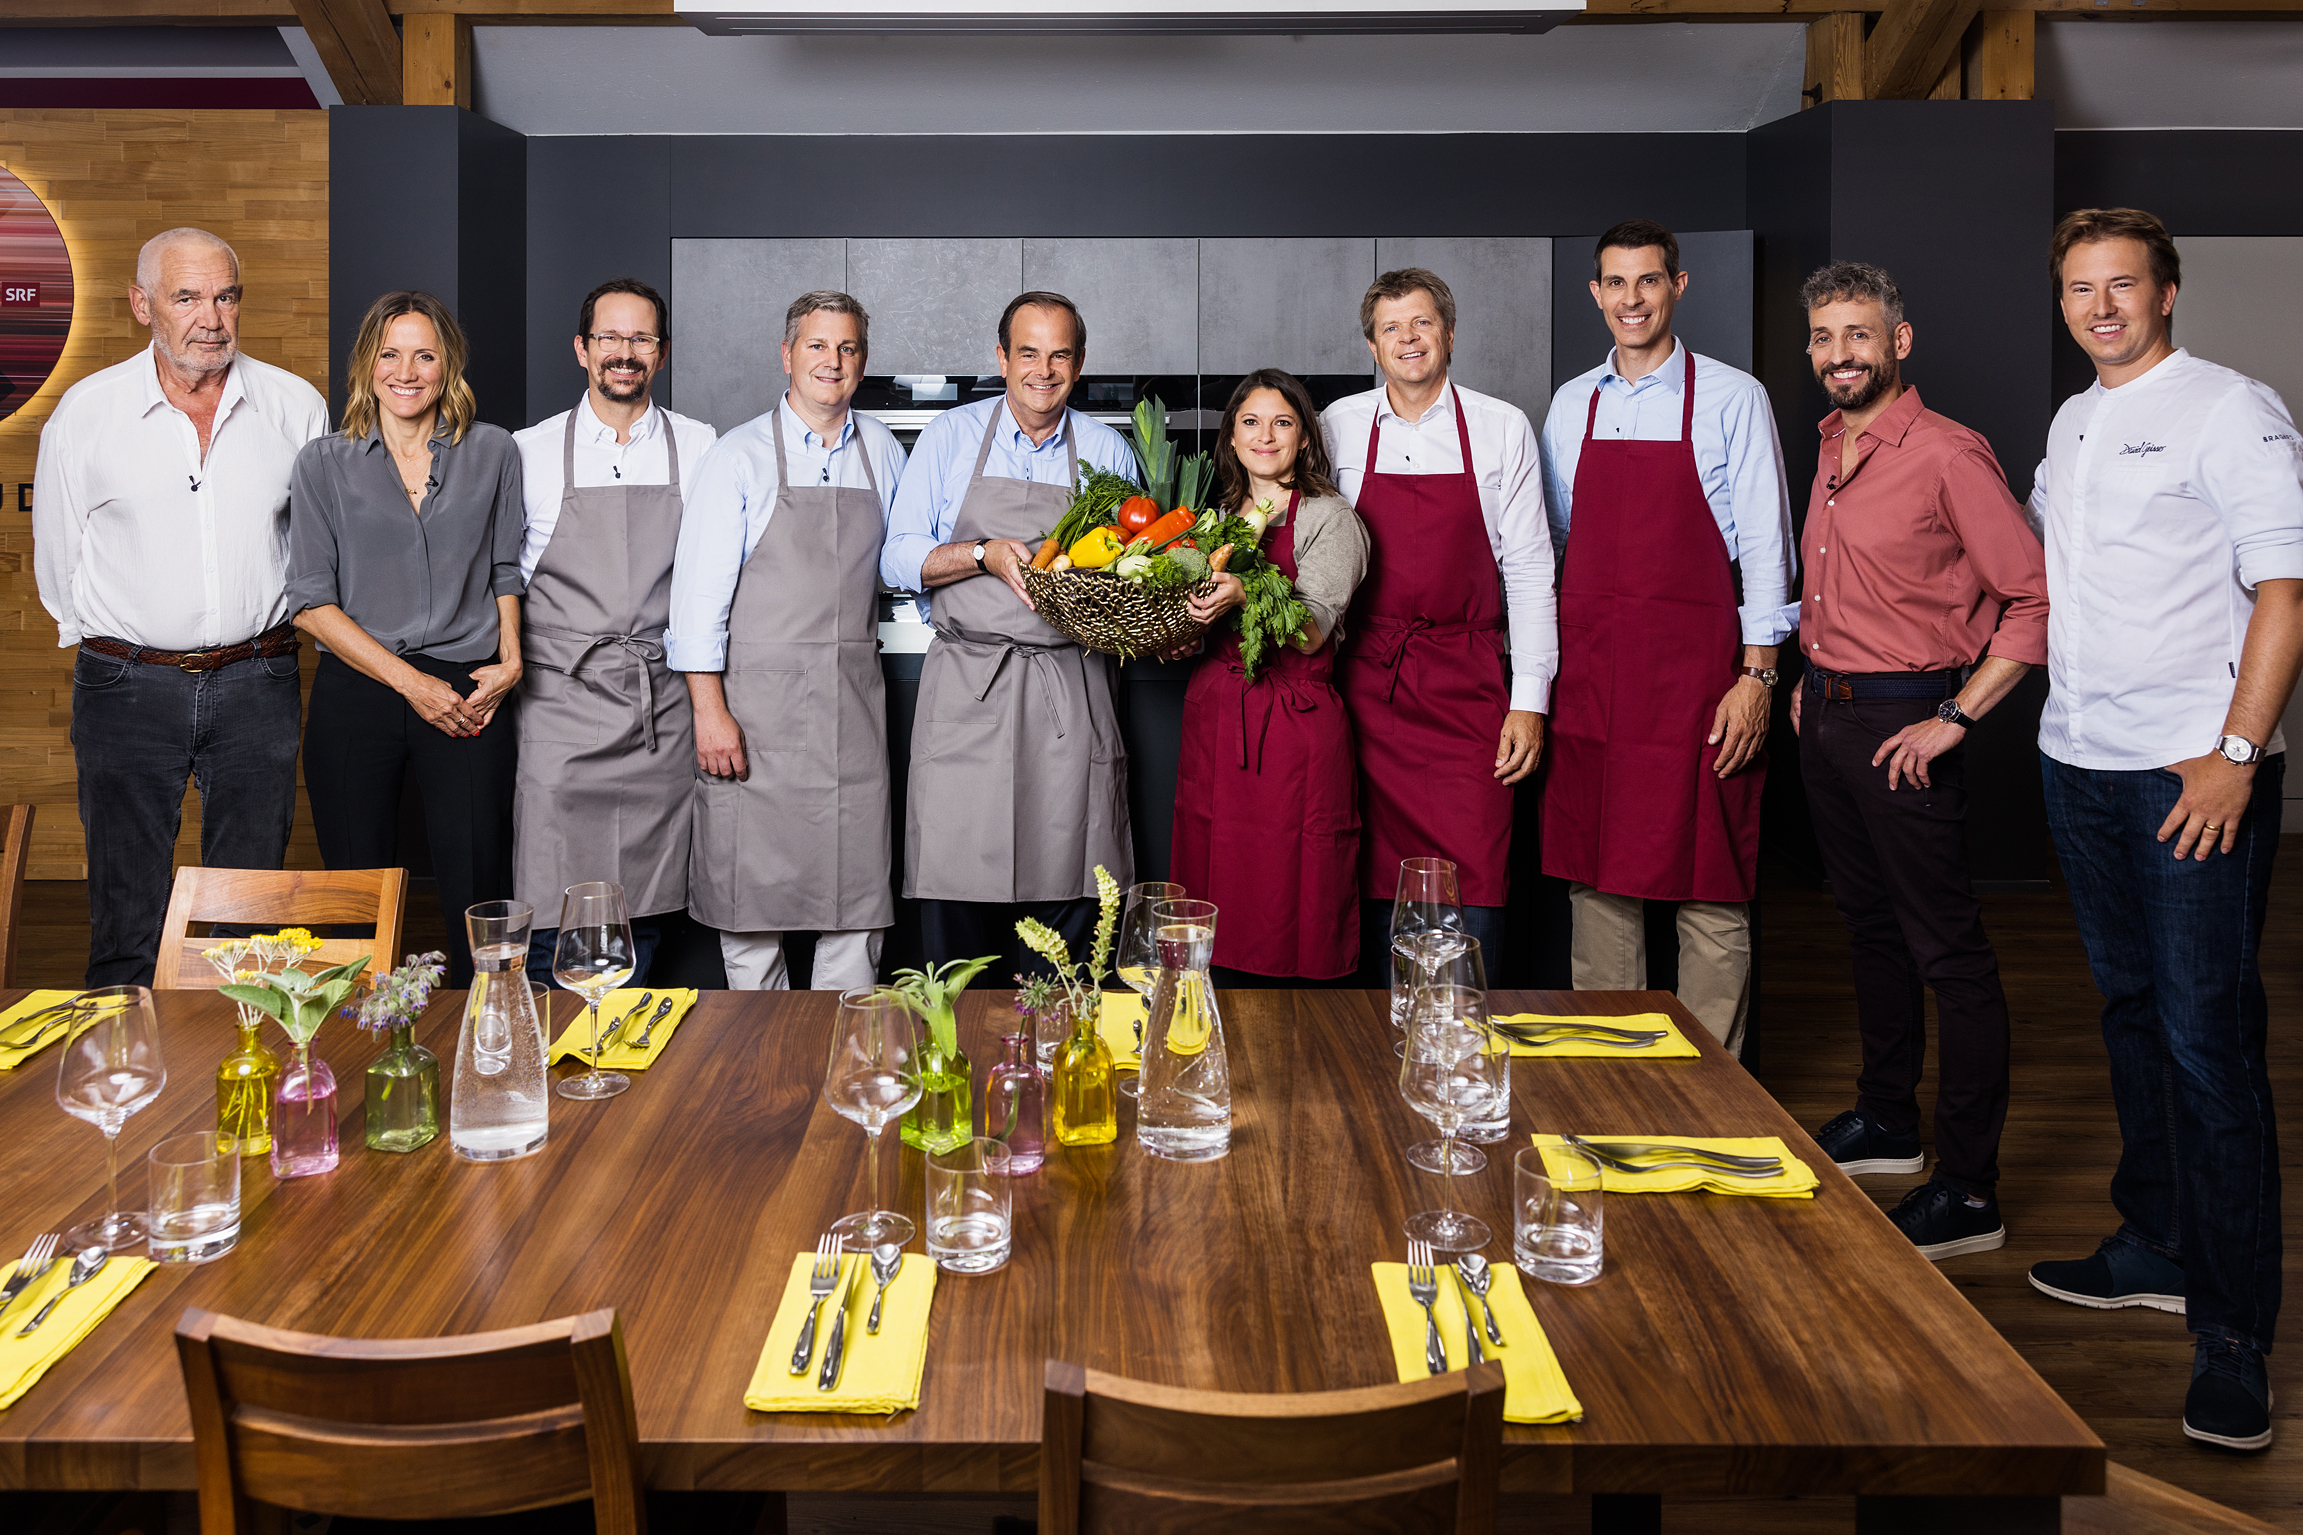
(602, 791)
(1665, 481)
(1450, 487)
(1019, 781)
(775, 621)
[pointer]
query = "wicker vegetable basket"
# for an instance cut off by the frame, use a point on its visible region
(1115, 616)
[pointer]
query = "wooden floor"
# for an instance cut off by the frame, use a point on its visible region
(2125, 1372)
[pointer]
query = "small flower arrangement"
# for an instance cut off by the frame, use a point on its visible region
(396, 999)
(1080, 983)
(298, 1002)
(1035, 994)
(254, 960)
(931, 994)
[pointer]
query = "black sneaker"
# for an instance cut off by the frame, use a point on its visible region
(1942, 1224)
(2118, 1275)
(1859, 1146)
(2230, 1399)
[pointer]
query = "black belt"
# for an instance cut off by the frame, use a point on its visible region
(1847, 686)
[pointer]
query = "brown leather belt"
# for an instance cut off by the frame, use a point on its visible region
(279, 640)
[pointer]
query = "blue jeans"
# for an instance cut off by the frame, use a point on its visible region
(1483, 923)
(138, 731)
(2174, 949)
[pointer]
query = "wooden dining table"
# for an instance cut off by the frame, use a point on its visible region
(1733, 1345)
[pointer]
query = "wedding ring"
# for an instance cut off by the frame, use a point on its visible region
(2209, 826)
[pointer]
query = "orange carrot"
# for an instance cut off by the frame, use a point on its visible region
(1047, 554)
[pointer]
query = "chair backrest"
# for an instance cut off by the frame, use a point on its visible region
(1120, 1456)
(15, 854)
(411, 1428)
(280, 898)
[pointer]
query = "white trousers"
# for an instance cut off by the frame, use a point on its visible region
(1610, 954)
(755, 961)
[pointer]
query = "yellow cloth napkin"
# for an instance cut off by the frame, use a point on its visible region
(24, 1360)
(11, 1058)
(1673, 1043)
(575, 1041)
(1122, 1011)
(881, 1374)
(1534, 1389)
(1796, 1181)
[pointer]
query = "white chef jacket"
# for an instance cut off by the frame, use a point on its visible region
(2162, 503)
(600, 460)
(1510, 474)
(134, 537)
(732, 500)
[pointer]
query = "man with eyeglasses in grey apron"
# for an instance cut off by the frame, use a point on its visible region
(1019, 782)
(775, 621)
(605, 733)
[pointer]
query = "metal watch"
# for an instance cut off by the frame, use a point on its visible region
(1951, 714)
(979, 553)
(2238, 750)
(1765, 674)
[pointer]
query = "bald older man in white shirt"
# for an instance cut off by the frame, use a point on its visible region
(160, 542)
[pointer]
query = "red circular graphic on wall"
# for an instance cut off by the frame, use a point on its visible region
(35, 294)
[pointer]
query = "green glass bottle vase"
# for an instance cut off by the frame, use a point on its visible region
(945, 1115)
(403, 1099)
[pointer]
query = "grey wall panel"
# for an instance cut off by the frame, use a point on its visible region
(935, 304)
(1139, 297)
(1290, 304)
(729, 297)
(1502, 293)
(1715, 318)
(565, 176)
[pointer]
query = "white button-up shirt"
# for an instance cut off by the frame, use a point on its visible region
(1738, 457)
(2162, 503)
(1509, 471)
(731, 501)
(134, 537)
(600, 460)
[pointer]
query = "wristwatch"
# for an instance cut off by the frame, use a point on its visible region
(979, 552)
(2238, 750)
(1765, 674)
(1951, 714)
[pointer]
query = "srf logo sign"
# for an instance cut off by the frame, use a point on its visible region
(20, 293)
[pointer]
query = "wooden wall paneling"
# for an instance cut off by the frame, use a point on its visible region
(113, 179)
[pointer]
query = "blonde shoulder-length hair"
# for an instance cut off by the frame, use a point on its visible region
(457, 407)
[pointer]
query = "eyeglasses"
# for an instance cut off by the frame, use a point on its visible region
(642, 346)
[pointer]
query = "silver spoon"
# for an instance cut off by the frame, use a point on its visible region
(663, 1011)
(887, 1261)
(1476, 1278)
(84, 1268)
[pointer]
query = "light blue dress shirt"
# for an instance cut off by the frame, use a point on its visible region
(729, 503)
(1737, 455)
(944, 459)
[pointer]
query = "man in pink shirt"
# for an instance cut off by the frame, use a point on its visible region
(1917, 562)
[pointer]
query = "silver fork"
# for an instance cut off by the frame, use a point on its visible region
(1716, 1169)
(34, 1263)
(821, 1279)
(1704, 1153)
(1423, 1287)
(648, 1032)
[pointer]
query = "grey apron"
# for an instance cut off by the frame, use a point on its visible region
(1019, 780)
(607, 742)
(802, 842)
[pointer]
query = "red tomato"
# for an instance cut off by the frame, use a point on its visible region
(1138, 513)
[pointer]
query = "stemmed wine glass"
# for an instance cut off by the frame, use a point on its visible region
(111, 1067)
(1426, 929)
(1454, 1072)
(874, 1076)
(1137, 956)
(1464, 968)
(593, 958)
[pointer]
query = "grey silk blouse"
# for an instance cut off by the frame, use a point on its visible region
(420, 581)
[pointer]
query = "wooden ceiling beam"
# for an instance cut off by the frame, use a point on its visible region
(2003, 56)
(1911, 46)
(1834, 59)
(358, 46)
(436, 61)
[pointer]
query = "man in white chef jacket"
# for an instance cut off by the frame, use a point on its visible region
(2171, 505)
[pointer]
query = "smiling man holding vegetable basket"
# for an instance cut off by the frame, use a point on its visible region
(1018, 781)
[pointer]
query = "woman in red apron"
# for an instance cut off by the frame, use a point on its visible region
(1266, 806)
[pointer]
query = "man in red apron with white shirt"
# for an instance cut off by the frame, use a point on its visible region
(1667, 469)
(1449, 485)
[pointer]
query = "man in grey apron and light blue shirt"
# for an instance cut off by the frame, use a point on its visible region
(1019, 780)
(775, 621)
(605, 738)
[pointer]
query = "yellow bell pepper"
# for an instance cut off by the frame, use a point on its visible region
(1096, 548)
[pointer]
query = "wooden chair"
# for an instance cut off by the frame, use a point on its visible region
(15, 854)
(1119, 1457)
(411, 1428)
(275, 898)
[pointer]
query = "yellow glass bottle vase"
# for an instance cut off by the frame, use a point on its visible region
(1086, 1087)
(244, 1087)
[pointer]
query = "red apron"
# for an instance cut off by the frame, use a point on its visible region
(1648, 645)
(1265, 820)
(1424, 679)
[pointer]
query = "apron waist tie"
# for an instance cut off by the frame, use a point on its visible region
(1292, 692)
(1033, 655)
(645, 651)
(1384, 641)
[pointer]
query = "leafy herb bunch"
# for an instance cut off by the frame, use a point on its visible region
(1080, 983)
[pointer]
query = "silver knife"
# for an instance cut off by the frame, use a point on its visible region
(1472, 1351)
(835, 1351)
(608, 1040)
(44, 1020)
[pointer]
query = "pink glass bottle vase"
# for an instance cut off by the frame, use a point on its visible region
(1015, 1105)
(304, 1118)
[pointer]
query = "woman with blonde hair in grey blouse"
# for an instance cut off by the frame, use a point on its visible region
(1267, 790)
(404, 538)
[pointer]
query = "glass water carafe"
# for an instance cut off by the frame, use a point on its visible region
(499, 1104)
(1183, 1111)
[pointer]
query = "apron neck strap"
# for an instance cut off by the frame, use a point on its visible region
(671, 449)
(1686, 404)
(992, 431)
(1462, 428)
(783, 471)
